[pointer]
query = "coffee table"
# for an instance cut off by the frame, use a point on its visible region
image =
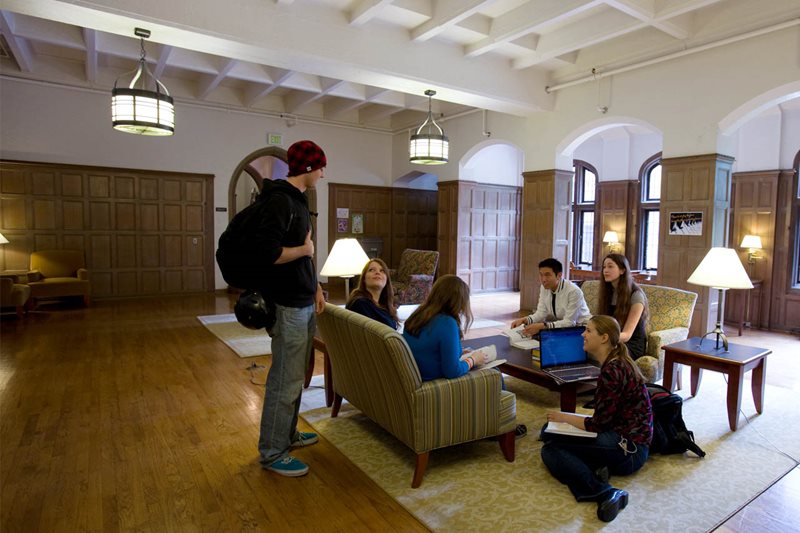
(519, 364)
(735, 363)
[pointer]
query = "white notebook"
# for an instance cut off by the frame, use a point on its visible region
(562, 428)
(492, 360)
(518, 339)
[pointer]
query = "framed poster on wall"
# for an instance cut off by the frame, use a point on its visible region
(686, 223)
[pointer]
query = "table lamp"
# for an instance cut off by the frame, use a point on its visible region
(720, 269)
(347, 259)
(3, 240)
(611, 239)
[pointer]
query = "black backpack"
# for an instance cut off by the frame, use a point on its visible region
(669, 430)
(241, 249)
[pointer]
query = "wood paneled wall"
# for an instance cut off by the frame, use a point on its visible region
(143, 232)
(614, 213)
(479, 227)
(401, 218)
(784, 299)
(694, 184)
(546, 227)
(755, 198)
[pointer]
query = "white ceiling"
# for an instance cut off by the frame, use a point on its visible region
(363, 62)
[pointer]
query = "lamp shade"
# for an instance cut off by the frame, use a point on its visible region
(347, 258)
(721, 269)
(611, 237)
(751, 241)
(3, 239)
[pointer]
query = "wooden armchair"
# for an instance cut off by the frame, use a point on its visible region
(373, 368)
(58, 273)
(413, 279)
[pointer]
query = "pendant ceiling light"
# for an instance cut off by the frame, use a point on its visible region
(146, 110)
(426, 146)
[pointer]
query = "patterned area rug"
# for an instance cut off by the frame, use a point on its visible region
(472, 488)
(245, 342)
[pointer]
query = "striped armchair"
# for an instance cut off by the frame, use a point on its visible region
(373, 368)
(670, 315)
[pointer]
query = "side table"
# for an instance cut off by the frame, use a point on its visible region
(735, 363)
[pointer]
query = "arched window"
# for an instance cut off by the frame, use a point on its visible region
(650, 178)
(796, 223)
(583, 206)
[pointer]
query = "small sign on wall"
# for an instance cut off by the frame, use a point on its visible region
(275, 139)
(686, 223)
(358, 223)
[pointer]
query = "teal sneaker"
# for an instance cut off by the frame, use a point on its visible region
(289, 467)
(305, 438)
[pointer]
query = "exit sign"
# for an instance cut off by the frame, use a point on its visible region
(275, 139)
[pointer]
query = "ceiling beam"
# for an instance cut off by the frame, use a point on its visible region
(366, 10)
(90, 40)
(526, 19)
(206, 88)
(446, 13)
(258, 91)
(166, 51)
(20, 48)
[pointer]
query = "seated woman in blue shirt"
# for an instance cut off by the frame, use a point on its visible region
(374, 296)
(434, 331)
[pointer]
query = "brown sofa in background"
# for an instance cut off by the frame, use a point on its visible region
(58, 273)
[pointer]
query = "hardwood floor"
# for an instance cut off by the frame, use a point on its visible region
(129, 415)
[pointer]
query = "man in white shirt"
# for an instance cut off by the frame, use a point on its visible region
(561, 302)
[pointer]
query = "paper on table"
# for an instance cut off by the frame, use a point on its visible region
(519, 339)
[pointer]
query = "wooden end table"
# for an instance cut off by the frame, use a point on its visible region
(519, 364)
(735, 363)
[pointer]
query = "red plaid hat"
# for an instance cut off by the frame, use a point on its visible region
(304, 157)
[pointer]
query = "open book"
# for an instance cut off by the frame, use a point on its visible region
(518, 338)
(562, 428)
(491, 359)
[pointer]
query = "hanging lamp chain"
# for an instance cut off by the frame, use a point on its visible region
(429, 120)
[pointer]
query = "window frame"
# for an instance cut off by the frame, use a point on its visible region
(794, 266)
(579, 210)
(647, 205)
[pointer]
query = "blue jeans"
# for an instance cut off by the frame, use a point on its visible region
(292, 336)
(574, 460)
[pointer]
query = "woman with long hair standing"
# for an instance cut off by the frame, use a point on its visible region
(622, 298)
(374, 296)
(622, 419)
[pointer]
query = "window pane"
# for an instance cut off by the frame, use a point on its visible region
(650, 259)
(589, 179)
(654, 183)
(587, 237)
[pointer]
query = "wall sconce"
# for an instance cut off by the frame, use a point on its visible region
(753, 244)
(612, 240)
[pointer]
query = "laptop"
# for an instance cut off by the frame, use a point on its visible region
(562, 355)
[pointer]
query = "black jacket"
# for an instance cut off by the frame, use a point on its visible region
(286, 223)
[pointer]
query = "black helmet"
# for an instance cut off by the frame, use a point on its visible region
(253, 312)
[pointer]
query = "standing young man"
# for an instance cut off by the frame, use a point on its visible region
(561, 303)
(292, 285)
